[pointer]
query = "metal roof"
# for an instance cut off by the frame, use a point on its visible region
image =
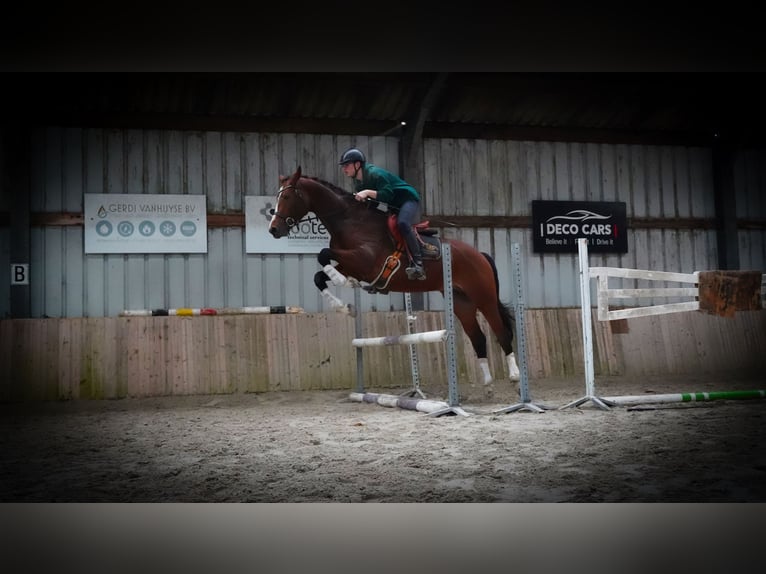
(690, 105)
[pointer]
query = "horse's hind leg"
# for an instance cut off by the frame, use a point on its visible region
(500, 321)
(513, 368)
(465, 311)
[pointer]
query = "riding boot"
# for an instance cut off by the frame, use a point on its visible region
(415, 270)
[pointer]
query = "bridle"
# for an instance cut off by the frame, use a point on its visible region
(290, 221)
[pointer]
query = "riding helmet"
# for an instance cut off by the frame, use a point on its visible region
(351, 155)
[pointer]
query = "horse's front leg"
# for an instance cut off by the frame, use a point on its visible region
(322, 277)
(325, 259)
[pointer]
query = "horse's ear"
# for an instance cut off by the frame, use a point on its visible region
(297, 174)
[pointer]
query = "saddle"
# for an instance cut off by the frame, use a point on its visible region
(430, 249)
(430, 245)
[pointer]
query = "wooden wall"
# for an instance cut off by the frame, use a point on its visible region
(113, 357)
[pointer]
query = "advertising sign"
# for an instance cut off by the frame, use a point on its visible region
(138, 223)
(309, 236)
(556, 226)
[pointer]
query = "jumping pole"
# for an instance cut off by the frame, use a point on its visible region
(446, 335)
(411, 318)
(399, 401)
(687, 397)
(587, 334)
(449, 323)
(715, 303)
(411, 339)
(205, 311)
(358, 331)
(359, 343)
(521, 345)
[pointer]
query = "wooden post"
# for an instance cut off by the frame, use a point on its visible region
(411, 151)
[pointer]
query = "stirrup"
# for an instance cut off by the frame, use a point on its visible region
(416, 271)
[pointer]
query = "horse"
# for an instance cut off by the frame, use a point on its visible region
(365, 248)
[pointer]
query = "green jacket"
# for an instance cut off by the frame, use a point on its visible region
(391, 189)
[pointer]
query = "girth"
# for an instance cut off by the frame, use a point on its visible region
(430, 248)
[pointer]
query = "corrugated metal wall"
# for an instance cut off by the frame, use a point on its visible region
(750, 176)
(5, 266)
(463, 177)
(5, 240)
(223, 166)
(475, 177)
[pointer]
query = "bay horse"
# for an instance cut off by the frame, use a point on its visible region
(363, 246)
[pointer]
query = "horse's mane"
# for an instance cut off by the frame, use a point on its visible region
(361, 209)
(338, 190)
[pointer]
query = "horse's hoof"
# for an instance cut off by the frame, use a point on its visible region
(348, 309)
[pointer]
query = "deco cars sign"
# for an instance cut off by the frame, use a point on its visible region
(556, 225)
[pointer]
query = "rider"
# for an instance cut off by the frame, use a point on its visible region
(371, 181)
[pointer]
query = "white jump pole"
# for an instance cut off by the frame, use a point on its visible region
(203, 311)
(687, 397)
(398, 401)
(587, 333)
(411, 339)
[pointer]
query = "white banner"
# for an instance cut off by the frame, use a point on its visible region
(308, 237)
(138, 223)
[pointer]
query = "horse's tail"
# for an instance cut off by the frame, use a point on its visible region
(503, 309)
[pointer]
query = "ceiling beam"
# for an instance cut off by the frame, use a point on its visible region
(371, 128)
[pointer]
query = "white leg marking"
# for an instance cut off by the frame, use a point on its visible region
(334, 302)
(484, 364)
(513, 368)
(489, 388)
(335, 276)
